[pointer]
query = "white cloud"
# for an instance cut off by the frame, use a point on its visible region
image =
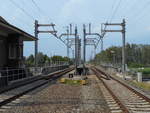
(76, 11)
(70, 6)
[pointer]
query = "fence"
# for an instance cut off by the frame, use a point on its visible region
(12, 74)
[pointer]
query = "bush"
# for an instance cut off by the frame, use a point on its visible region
(135, 65)
(145, 71)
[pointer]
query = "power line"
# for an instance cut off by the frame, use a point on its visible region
(116, 9)
(24, 22)
(13, 2)
(113, 14)
(127, 4)
(32, 9)
(40, 10)
(130, 8)
(137, 17)
(111, 9)
(36, 5)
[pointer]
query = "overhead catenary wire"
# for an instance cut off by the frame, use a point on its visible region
(24, 22)
(137, 12)
(115, 11)
(36, 5)
(29, 5)
(46, 18)
(112, 16)
(24, 11)
(111, 10)
(103, 33)
(129, 7)
(137, 16)
(42, 12)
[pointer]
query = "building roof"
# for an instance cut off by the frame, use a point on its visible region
(7, 29)
(3, 20)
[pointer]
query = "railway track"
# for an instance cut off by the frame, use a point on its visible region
(121, 96)
(11, 95)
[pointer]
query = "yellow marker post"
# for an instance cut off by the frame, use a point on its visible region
(62, 80)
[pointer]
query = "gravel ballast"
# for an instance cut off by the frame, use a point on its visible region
(62, 98)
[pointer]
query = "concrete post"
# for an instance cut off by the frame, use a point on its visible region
(36, 43)
(84, 48)
(123, 47)
(76, 49)
(89, 28)
(101, 44)
(139, 77)
(68, 42)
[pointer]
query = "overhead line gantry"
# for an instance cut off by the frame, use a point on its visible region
(123, 31)
(54, 33)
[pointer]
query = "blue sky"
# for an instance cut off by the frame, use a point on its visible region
(78, 12)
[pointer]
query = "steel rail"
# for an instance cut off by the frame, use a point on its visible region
(51, 76)
(127, 86)
(122, 106)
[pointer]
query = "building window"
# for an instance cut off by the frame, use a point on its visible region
(12, 51)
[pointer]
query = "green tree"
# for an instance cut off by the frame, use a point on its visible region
(41, 59)
(29, 61)
(136, 55)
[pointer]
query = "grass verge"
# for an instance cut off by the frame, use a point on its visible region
(73, 82)
(145, 86)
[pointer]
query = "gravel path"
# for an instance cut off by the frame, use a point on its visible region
(93, 98)
(61, 98)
